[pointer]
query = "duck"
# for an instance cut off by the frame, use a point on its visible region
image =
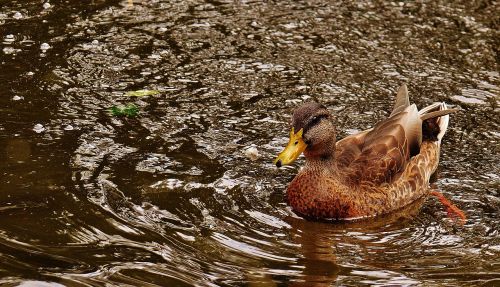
(371, 173)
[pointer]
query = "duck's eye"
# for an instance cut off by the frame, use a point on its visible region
(296, 143)
(315, 120)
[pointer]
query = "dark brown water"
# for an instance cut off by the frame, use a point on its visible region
(169, 198)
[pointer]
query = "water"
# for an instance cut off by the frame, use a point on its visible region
(173, 197)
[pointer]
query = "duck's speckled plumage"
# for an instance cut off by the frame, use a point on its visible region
(370, 173)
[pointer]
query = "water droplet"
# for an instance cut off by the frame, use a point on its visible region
(38, 128)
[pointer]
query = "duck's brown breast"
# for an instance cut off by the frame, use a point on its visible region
(312, 195)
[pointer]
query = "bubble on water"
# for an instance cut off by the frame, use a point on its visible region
(17, 15)
(46, 5)
(30, 73)
(68, 128)
(17, 98)
(44, 46)
(38, 128)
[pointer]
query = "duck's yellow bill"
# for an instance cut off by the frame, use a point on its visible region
(294, 148)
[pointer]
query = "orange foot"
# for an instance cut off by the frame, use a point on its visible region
(453, 211)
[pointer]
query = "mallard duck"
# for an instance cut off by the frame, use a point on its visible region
(370, 173)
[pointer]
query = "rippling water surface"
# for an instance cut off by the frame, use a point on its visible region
(171, 198)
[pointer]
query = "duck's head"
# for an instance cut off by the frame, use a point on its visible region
(312, 132)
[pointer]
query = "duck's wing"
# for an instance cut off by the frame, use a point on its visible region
(381, 153)
(350, 148)
(388, 147)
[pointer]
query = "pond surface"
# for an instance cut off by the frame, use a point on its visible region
(170, 198)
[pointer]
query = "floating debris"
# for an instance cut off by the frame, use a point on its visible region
(142, 93)
(130, 110)
(17, 98)
(252, 153)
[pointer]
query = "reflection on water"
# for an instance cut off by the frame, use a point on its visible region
(186, 194)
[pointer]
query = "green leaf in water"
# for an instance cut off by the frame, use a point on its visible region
(142, 93)
(129, 110)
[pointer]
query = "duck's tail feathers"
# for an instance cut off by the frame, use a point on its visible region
(402, 100)
(435, 120)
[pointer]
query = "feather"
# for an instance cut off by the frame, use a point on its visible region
(388, 147)
(435, 120)
(349, 148)
(436, 114)
(402, 100)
